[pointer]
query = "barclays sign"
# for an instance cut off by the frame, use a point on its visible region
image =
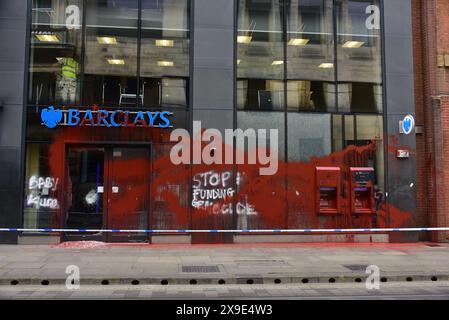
(52, 118)
(407, 125)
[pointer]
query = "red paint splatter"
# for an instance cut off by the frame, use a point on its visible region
(285, 200)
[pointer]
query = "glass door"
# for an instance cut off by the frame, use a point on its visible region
(84, 187)
(128, 194)
(107, 188)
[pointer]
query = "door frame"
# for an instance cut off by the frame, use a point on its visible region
(107, 145)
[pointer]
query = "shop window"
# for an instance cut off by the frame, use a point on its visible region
(258, 194)
(264, 121)
(309, 135)
(42, 189)
(366, 132)
(370, 132)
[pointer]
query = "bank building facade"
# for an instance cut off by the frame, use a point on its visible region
(94, 89)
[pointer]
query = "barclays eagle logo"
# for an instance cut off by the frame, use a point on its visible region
(408, 124)
(51, 117)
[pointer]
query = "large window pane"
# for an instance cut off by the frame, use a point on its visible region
(310, 55)
(111, 53)
(359, 56)
(370, 132)
(55, 52)
(260, 62)
(42, 189)
(309, 135)
(165, 51)
(250, 213)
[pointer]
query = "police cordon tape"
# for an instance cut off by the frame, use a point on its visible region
(225, 231)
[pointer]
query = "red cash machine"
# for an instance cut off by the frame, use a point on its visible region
(362, 191)
(328, 184)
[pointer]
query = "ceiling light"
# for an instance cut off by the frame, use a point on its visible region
(165, 63)
(326, 66)
(116, 61)
(244, 39)
(164, 43)
(47, 37)
(238, 61)
(107, 40)
(277, 62)
(353, 44)
(298, 42)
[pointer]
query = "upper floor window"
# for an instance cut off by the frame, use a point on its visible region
(309, 55)
(118, 53)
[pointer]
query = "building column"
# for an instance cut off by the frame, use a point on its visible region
(399, 90)
(13, 30)
(213, 65)
(441, 156)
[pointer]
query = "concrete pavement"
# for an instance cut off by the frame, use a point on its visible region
(225, 264)
(346, 291)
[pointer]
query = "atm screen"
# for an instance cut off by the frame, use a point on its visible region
(328, 198)
(363, 176)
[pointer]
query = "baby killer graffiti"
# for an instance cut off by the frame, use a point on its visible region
(39, 189)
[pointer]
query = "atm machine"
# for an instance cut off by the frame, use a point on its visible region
(362, 191)
(328, 186)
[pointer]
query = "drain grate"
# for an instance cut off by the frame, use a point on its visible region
(356, 267)
(200, 269)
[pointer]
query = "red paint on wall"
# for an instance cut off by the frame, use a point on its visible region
(285, 200)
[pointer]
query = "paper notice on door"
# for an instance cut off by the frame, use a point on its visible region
(100, 189)
(114, 189)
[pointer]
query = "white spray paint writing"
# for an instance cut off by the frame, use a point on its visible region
(39, 188)
(211, 187)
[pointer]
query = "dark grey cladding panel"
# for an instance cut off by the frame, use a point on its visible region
(402, 172)
(218, 18)
(399, 56)
(397, 16)
(9, 193)
(219, 91)
(11, 86)
(399, 84)
(402, 183)
(213, 65)
(13, 9)
(13, 44)
(9, 168)
(215, 119)
(400, 59)
(12, 68)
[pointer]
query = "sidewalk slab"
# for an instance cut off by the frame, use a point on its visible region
(235, 264)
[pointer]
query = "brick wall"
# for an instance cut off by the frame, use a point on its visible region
(431, 42)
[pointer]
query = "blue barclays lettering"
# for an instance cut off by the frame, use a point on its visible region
(51, 118)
